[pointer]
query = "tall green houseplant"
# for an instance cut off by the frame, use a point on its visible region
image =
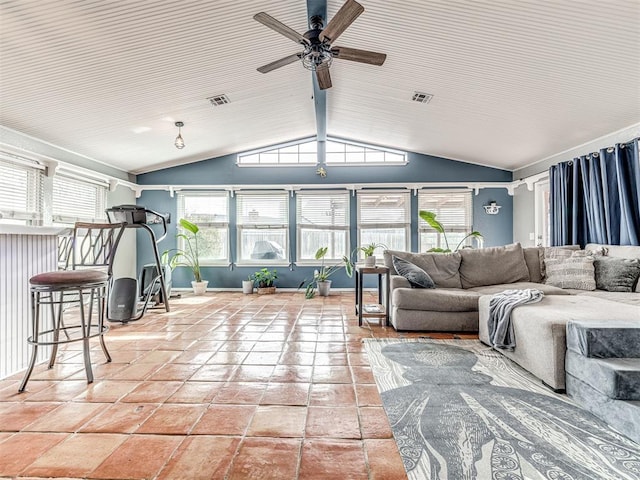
(430, 218)
(189, 256)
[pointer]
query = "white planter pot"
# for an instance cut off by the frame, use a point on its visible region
(323, 288)
(199, 287)
(370, 261)
(247, 286)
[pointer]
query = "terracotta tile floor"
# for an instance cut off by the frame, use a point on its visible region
(225, 386)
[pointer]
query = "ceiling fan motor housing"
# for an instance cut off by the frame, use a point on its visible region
(316, 54)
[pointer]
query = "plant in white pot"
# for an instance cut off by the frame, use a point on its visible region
(247, 285)
(321, 276)
(368, 251)
(189, 256)
(430, 218)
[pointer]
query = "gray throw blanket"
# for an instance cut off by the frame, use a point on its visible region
(500, 307)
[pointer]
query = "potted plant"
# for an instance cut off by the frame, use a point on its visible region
(368, 252)
(247, 285)
(189, 256)
(321, 276)
(264, 280)
(430, 218)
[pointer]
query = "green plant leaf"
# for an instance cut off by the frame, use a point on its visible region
(187, 225)
(430, 218)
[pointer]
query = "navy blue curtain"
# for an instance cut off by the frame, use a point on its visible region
(596, 198)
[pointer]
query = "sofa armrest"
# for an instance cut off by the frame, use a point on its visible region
(398, 281)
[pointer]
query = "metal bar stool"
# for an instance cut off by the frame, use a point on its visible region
(84, 285)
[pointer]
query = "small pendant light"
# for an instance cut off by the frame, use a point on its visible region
(179, 143)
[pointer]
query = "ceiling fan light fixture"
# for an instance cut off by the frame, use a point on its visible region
(316, 57)
(179, 143)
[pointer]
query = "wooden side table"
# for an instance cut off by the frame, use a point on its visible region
(378, 310)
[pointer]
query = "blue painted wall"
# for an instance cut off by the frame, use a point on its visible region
(497, 229)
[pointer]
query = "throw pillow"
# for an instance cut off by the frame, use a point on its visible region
(572, 272)
(493, 266)
(417, 277)
(617, 274)
(563, 251)
(441, 267)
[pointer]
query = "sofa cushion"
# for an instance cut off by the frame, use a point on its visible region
(435, 299)
(616, 274)
(572, 272)
(493, 289)
(532, 257)
(441, 267)
(493, 265)
(417, 277)
(620, 297)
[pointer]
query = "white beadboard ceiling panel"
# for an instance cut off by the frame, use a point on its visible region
(513, 81)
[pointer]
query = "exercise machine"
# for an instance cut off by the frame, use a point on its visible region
(129, 298)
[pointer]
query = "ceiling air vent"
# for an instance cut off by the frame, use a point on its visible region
(422, 97)
(218, 100)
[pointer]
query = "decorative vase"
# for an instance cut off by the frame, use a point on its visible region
(199, 288)
(247, 286)
(370, 261)
(266, 290)
(324, 287)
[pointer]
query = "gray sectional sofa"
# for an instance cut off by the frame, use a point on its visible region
(539, 328)
(461, 278)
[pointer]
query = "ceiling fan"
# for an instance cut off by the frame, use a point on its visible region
(318, 52)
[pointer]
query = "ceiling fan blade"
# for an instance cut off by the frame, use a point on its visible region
(268, 21)
(324, 78)
(356, 55)
(279, 63)
(341, 20)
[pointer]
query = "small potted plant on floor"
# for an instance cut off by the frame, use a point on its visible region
(264, 279)
(321, 276)
(189, 256)
(368, 252)
(247, 285)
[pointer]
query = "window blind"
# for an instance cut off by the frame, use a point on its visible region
(263, 210)
(21, 187)
(322, 221)
(452, 208)
(76, 200)
(383, 208)
(204, 208)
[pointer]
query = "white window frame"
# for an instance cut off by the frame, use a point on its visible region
(74, 189)
(542, 227)
(387, 153)
(279, 151)
(241, 227)
(222, 225)
(404, 223)
(301, 224)
(423, 227)
(31, 190)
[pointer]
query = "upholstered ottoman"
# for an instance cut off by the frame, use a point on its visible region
(603, 371)
(540, 330)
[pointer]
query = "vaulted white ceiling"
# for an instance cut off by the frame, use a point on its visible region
(513, 81)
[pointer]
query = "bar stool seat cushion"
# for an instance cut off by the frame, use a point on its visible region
(69, 277)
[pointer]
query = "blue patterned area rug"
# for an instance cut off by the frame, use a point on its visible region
(460, 410)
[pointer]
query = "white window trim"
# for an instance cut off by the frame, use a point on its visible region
(422, 227)
(223, 262)
(240, 227)
(407, 224)
(541, 219)
(35, 190)
(347, 228)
